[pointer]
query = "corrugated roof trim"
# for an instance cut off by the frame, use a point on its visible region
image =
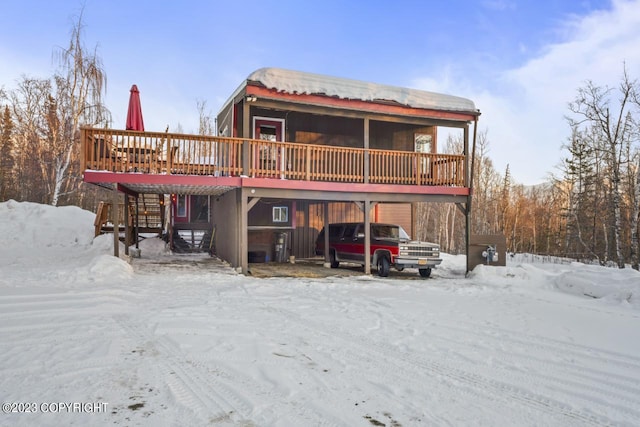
(297, 82)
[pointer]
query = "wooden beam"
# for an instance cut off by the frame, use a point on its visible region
(116, 224)
(246, 133)
(127, 190)
(357, 197)
(137, 233)
(470, 196)
(252, 203)
(127, 229)
(326, 232)
(361, 205)
(367, 236)
(244, 231)
(466, 156)
(366, 153)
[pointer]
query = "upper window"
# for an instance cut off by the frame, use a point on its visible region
(423, 143)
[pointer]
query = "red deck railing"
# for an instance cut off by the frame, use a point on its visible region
(167, 153)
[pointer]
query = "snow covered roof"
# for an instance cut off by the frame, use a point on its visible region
(297, 82)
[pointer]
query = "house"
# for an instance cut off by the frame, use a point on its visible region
(293, 151)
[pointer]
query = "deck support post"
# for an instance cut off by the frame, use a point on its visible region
(367, 236)
(244, 233)
(327, 260)
(127, 229)
(116, 223)
(138, 221)
(469, 184)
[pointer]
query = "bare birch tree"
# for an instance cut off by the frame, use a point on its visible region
(593, 106)
(80, 84)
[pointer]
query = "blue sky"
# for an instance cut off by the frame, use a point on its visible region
(521, 62)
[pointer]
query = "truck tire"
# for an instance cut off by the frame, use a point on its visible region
(425, 272)
(383, 266)
(332, 259)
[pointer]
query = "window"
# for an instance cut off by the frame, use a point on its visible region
(423, 142)
(267, 133)
(199, 209)
(335, 231)
(349, 229)
(385, 232)
(268, 153)
(182, 205)
(280, 214)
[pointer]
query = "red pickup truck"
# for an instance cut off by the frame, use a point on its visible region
(390, 246)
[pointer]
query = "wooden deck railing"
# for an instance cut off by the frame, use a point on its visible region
(167, 153)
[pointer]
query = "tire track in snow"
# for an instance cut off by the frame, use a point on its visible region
(203, 386)
(361, 364)
(325, 389)
(53, 325)
(476, 384)
(571, 380)
(617, 388)
(191, 390)
(544, 343)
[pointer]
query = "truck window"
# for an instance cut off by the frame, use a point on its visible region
(349, 230)
(385, 232)
(335, 231)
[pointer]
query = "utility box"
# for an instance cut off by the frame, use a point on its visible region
(281, 247)
(487, 249)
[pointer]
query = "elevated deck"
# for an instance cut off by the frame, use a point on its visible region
(156, 162)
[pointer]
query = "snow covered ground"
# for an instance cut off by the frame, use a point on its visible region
(184, 340)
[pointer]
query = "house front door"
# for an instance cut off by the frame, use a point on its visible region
(269, 158)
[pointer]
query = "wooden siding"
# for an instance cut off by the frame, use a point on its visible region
(395, 213)
(397, 136)
(310, 220)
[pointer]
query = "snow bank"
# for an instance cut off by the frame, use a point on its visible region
(589, 281)
(26, 225)
(598, 282)
(56, 243)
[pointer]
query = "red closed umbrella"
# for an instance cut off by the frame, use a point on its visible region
(134, 115)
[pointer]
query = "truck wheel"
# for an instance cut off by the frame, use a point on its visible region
(383, 266)
(425, 272)
(332, 259)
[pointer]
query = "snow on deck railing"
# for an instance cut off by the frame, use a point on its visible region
(166, 153)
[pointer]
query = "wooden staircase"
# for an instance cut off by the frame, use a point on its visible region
(150, 216)
(193, 240)
(150, 213)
